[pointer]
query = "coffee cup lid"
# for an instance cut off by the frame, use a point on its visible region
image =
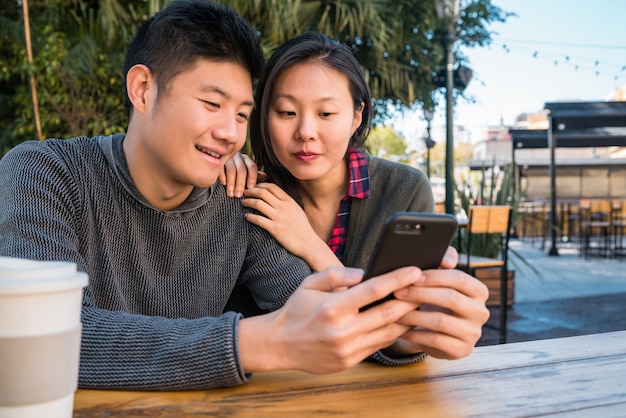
(18, 275)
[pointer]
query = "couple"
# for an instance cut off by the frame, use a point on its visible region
(164, 243)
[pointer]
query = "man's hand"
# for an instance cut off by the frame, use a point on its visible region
(321, 330)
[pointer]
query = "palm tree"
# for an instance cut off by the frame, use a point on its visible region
(78, 48)
(396, 41)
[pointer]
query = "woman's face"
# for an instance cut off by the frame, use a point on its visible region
(311, 119)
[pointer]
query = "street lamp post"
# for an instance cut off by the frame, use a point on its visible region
(448, 12)
(428, 140)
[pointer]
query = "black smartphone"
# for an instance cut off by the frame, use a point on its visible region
(411, 239)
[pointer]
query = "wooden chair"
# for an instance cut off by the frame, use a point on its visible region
(618, 224)
(494, 223)
(595, 228)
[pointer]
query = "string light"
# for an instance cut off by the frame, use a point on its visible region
(540, 50)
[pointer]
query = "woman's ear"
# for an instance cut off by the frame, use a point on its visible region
(358, 118)
(137, 86)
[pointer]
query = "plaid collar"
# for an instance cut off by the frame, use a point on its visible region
(359, 184)
(359, 188)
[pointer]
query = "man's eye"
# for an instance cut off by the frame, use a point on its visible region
(326, 114)
(211, 104)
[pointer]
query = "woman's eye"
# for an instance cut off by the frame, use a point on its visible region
(211, 104)
(243, 117)
(326, 114)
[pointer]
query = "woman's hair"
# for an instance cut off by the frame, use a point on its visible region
(172, 40)
(308, 47)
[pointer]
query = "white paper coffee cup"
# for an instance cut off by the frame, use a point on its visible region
(40, 304)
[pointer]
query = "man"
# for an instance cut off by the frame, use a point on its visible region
(164, 246)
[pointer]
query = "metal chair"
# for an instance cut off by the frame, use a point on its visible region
(494, 224)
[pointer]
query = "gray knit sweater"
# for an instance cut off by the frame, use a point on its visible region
(158, 281)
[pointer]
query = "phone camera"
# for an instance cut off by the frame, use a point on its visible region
(409, 227)
(403, 227)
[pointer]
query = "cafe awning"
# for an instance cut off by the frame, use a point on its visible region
(575, 138)
(583, 124)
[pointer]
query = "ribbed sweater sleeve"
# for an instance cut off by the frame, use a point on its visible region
(129, 351)
(158, 281)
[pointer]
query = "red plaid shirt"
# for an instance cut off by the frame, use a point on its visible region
(358, 187)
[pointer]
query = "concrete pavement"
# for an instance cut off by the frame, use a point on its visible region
(564, 276)
(561, 296)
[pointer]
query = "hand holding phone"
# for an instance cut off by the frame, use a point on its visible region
(411, 239)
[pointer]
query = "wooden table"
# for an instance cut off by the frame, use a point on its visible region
(581, 376)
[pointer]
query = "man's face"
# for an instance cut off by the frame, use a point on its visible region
(189, 133)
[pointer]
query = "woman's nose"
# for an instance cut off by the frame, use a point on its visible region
(307, 129)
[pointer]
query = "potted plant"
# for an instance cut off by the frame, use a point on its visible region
(491, 186)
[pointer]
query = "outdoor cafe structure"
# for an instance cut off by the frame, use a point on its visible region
(580, 154)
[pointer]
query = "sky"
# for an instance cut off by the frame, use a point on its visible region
(552, 50)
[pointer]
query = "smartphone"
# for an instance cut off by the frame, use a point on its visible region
(411, 239)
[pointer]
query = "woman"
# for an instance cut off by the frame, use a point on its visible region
(327, 199)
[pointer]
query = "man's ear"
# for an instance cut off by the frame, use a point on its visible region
(138, 83)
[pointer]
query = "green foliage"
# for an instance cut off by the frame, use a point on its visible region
(78, 48)
(78, 89)
(78, 51)
(384, 142)
(490, 187)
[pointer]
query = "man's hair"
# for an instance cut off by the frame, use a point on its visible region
(172, 40)
(308, 47)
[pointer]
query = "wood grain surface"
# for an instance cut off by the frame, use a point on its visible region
(569, 377)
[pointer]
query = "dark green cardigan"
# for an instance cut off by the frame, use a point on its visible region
(393, 187)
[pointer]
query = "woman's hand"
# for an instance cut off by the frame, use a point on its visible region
(451, 315)
(238, 174)
(282, 217)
